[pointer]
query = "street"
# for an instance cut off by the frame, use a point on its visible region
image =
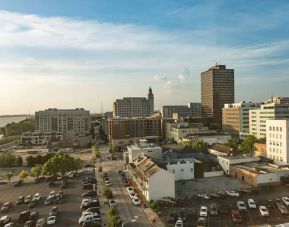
(126, 210)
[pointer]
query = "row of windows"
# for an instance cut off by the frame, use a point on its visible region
(182, 170)
(277, 136)
(277, 128)
(275, 150)
(277, 158)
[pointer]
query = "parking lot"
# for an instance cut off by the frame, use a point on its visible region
(69, 209)
(252, 217)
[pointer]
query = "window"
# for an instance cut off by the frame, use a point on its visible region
(192, 169)
(182, 170)
(173, 170)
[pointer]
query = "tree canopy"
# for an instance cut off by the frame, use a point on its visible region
(247, 144)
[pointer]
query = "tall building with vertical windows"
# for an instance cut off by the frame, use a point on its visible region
(76, 121)
(217, 89)
(277, 140)
(134, 106)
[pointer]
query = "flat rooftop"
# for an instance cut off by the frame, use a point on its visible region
(261, 167)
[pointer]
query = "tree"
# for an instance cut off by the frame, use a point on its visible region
(9, 175)
(248, 144)
(107, 193)
(199, 145)
(36, 171)
(19, 161)
(23, 174)
(7, 160)
(77, 164)
(113, 219)
(233, 143)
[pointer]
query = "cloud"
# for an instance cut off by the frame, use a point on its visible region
(160, 78)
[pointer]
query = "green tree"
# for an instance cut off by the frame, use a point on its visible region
(19, 161)
(9, 175)
(199, 145)
(113, 219)
(247, 144)
(107, 193)
(23, 174)
(233, 143)
(36, 171)
(7, 160)
(77, 164)
(14, 129)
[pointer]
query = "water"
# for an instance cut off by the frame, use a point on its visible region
(5, 120)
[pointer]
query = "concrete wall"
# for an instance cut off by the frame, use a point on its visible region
(214, 174)
(161, 184)
(182, 171)
(270, 178)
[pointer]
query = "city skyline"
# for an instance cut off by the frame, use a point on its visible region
(68, 55)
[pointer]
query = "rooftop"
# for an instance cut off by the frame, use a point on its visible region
(261, 167)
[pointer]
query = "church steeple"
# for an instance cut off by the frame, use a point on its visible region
(151, 101)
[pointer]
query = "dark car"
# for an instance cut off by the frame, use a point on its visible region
(17, 183)
(29, 224)
(236, 216)
(93, 209)
(87, 186)
(269, 204)
(20, 200)
(172, 216)
(39, 179)
(34, 216)
(32, 204)
(52, 184)
(89, 204)
(183, 215)
(24, 216)
(53, 211)
(91, 223)
(89, 180)
(223, 208)
(89, 194)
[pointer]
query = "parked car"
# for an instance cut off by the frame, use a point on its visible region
(269, 204)
(41, 222)
(183, 215)
(48, 200)
(285, 200)
(10, 224)
(107, 183)
(278, 202)
(213, 210)
(17, 183)
(93, 209)
(87, 186)
(241, 206)
(32, 203)
(90, 217)
(20, 200)
(232, 193)
(24, 216)
(111, 202)
(129, 190)
(264, 211)
(29, 223)
(283, 210)
(223, 208)
(135, 201)
(51, 220)
(89, 204)
(89, 194)
(236, 216)
(125, 183)
(202, 222)
(5, 207)
(34, 216)
(172, 216)
(5, 220)
(251, 204)
(37, 196)
(54, 211)
(179, 223)
(203, 211)
(28, 199)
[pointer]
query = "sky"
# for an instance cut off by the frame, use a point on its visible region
(75, 53)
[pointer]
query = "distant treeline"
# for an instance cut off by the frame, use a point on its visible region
(16, 129)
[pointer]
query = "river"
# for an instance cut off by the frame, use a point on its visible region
(5, 120)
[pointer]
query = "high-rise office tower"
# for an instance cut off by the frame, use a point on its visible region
(217, 89)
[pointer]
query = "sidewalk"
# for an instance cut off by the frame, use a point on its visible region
(153, 217)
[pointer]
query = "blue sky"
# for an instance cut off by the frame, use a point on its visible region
(69, 54)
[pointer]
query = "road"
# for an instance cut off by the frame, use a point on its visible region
(125, 207)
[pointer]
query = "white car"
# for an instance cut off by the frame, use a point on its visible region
(204, 211)
(28, 199)
(285, 200)
(107, 183)
(111, 202)
(52, 193)
(51, 220)
(11, 224)
(132, 194)
(90, 217)
(85, 213)
(233, 193)
(37, 196)
(251, 204)
(179, 223)
(129, 190)
(136, 201)
(264, 211)
(241, 206)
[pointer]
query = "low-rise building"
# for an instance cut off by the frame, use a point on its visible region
(209, 137)
(153, 181)
(259, 173)
(38, 138)
(142, 147)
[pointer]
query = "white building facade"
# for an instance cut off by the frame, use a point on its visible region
(142, 147)
(258, 117)
(277, 140)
